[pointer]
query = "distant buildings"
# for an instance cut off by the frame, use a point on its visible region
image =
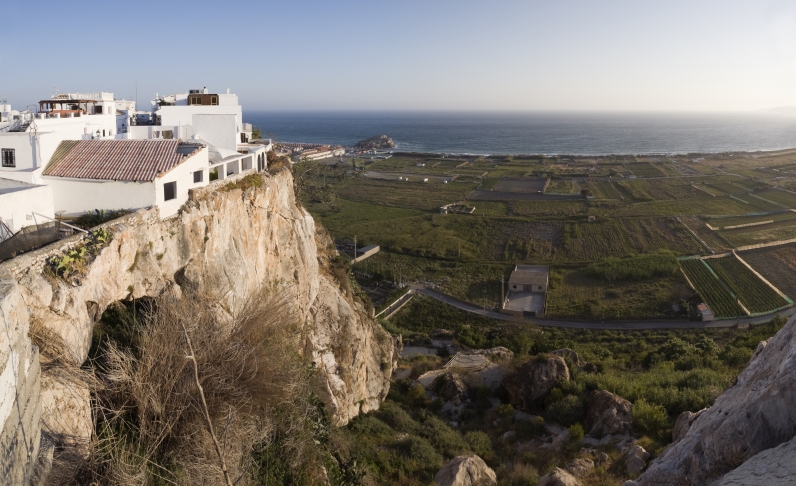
(311, 151)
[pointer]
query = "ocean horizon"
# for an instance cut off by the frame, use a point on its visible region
(551, 133)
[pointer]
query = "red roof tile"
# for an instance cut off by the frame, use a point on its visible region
(117, 160)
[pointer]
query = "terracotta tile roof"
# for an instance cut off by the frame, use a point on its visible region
(117, 160)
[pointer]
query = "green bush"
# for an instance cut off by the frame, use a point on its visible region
(479, 443)
(447, 441)
(421, 452)
(569, 410)
(649, 418)
(576, 432)
(735, 357)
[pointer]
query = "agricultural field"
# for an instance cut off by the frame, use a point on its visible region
(603, 189)
(412, 195)
(711, 238)
(775, 264)
(715, 294)
(787, 199)
(644, 169)
(754, 235)
(560, 186)
(576, 295)
(524, 185)
(753, 293)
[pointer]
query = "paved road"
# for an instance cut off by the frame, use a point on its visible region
(619, 325)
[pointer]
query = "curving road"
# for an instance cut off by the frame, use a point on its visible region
(616, 325)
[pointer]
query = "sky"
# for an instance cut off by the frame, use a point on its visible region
(410, 55)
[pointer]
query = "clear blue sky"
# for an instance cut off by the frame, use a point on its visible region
(410, 55)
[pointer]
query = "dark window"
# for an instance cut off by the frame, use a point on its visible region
(168, 134)
(198, 176)
(540, 287)
(9, 158)
(214, 100)
(195, 100)
(169, 191)
(103, 133)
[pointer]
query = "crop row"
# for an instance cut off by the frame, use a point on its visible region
(715, 295)
(777, 265)
(753, 293)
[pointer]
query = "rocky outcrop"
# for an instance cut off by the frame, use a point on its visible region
(772, 467)
(227, 243)
(559, 477)
(451, 387)
(466, 471)
(375, 143)
(752, 416)
(682, 424)
(580, 468)
(609, 414)
(533, 380)
(635, 459)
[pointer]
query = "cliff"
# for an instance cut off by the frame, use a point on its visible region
(746, 437)
(224, 243)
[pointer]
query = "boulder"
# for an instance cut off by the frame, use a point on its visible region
(683, 423)
(635, 459)
(580, 467)
(532, 381)
(497, 355)
(609, 414)
(558, 477)
(466, 471)
(451, 387)
(752, 416)
(567, 353)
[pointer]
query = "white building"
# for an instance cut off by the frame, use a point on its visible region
(125, 174)
(22, 204)
(28, 142)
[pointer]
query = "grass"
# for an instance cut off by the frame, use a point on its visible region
(410, 195)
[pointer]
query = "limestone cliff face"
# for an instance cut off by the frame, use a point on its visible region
(753, 416)
(226, 244)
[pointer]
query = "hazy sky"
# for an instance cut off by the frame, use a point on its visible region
(409, 55)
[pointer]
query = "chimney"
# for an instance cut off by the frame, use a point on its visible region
(227, 90)
(205, 90)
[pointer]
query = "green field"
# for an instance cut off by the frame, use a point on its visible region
(753, 293)
(715, 294)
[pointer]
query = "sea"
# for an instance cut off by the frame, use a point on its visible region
(570, 133)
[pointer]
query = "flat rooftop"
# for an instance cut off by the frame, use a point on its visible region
(8, 186)
(525, 302)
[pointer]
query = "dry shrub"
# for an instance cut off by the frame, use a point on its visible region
(152, 421)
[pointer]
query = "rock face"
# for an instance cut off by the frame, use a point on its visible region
(580, 467)
(534, 380)
(772, 467)
(559, 477)
(225, 243)
(466, 471)
(609, 414)
(751, 417)
(451, 387)
(377, 142)
(682, 424)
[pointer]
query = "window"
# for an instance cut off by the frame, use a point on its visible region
(195, 100)
(214, 100)
(198, 176)
(540, 287)
(9, 158)
(169, 191)
(168, 134)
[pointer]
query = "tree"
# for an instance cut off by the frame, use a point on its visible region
(304, 171)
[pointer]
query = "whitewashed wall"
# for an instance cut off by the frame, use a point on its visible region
(17, 204)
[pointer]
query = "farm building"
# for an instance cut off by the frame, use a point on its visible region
(527, 291)
(365, 252)
(704, 312)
